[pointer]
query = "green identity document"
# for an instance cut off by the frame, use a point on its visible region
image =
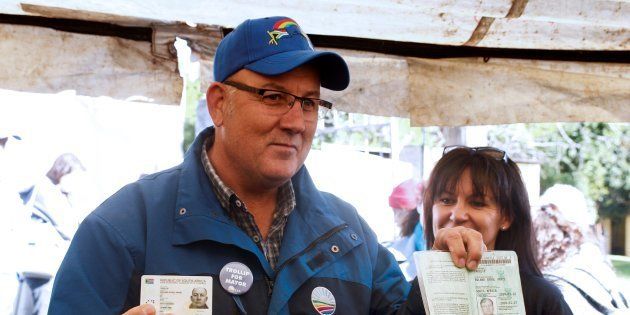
(494, 288)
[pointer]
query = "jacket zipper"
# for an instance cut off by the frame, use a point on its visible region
(270, 284)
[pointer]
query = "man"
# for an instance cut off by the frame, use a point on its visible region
(198, 298)
(53, 221)
(487, 306)
(242, 195)
(22, 274)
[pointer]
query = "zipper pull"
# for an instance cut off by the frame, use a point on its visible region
(270, 284)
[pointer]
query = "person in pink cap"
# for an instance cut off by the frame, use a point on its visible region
(405, 201)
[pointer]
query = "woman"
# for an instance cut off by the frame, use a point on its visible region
(405, 200)
(481, 189)
(570, 255)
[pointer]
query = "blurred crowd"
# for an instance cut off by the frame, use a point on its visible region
(40, 215)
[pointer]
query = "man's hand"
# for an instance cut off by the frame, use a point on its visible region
(144, 309)
(465, 244)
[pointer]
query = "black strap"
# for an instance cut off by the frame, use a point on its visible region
(596, 305)
(612, 298)
(43, 214)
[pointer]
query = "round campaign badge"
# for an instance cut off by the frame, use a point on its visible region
(323, 301)
(236, 278)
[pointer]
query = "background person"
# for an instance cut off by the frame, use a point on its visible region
(13, 211)
(480, 191)
(53, 220)
(570, 255)
(66, 195)
(405, 201)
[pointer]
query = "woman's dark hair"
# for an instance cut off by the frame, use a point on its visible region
(498, 177)
(409, 225)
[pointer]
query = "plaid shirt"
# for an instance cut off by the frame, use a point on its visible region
(243, 218)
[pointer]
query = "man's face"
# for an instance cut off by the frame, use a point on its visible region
(266, 149)
(199, 297)
(487, 307)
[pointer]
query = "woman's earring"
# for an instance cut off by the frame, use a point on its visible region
(503, 228)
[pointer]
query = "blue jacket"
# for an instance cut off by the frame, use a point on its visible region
(171, 223)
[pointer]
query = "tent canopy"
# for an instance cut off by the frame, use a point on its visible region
(541, 24)
(447, 91)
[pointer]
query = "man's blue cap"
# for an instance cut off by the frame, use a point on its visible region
(275, 45)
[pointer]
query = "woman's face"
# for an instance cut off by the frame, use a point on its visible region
(463, 208)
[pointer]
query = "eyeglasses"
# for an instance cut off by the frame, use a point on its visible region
(280, 102)
(486, 151)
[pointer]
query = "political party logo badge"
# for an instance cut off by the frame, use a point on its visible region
(236, 278)
(323, 301)
(283, 28)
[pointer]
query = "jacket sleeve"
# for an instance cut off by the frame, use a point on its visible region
(389, 288)
(414, 304)
(95, 274)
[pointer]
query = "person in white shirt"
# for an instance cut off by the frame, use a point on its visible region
(569, 253)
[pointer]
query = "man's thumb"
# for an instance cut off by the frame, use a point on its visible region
(148, 309)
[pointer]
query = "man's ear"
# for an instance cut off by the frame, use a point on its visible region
(216, 99)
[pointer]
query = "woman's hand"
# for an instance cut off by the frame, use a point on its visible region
(465, 244)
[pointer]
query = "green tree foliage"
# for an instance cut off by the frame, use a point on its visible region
(193, 95)
(594, 157)
(356, 130)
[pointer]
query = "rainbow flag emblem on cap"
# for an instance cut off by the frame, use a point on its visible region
(280, 30)
(323, 301)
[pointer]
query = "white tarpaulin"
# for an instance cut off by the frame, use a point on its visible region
(430, 91)
(42, 60)
(542, 24)
(469, 91)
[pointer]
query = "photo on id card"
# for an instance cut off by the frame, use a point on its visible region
(175, 295)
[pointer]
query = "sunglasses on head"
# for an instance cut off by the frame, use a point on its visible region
(486, 151)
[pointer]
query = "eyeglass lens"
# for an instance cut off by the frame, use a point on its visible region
(280, 103)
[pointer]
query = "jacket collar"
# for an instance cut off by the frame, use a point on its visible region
(312, 217)
(198, 214)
